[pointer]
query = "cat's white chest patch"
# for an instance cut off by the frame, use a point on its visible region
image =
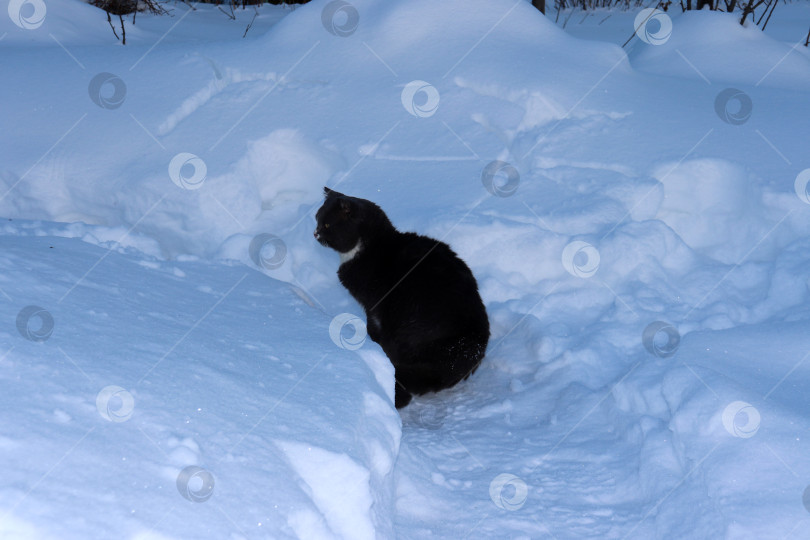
(349, 255)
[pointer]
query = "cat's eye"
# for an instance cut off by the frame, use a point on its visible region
(325, 225)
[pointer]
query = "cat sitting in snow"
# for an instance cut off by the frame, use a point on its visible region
(421, 301)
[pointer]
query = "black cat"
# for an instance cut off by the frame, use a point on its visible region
(421, 301)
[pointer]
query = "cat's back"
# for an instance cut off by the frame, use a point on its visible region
(433, 259)
(424, 276)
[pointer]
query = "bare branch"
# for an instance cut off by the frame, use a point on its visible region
(251, 23)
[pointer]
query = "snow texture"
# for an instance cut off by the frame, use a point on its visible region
(178, 359)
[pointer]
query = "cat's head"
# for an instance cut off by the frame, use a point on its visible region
(339, 221)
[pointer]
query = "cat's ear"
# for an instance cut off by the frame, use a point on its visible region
(327, 192)
(346, 207)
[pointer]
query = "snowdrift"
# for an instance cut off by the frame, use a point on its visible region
(713, 47)
(150, 378)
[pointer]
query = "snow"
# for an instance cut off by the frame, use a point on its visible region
(155, 366)
(714, 47)
(180, 360)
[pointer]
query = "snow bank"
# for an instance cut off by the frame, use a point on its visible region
(147, 399)
(37, 23)
(713, 47)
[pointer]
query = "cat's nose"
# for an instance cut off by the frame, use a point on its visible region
(316, 234)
